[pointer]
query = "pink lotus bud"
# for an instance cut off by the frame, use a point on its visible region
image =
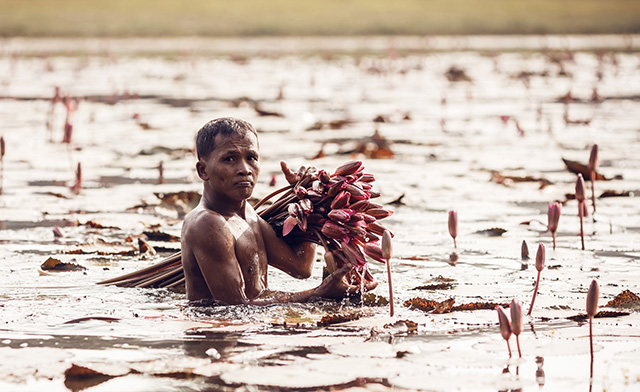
(373, 250)
(334, 230)
(505, 325)
(335, 187)
(288, 225)
(350, 167)
(317, 186)
(293, 209)
(306, 206)
(516, 317)
(592, 167)
(453, 224)
(367, 178)
(356, 192)
(354, 254)
(379, 213)
(341, 200)
(524, 251)
(2, 147)
(540, 255)
(387, 247)
(360, 205)
(592, 299)
(324, 177)
(161, 172)
(341, 215)
(373, 194)
(57, 232)
(376, 228)
(580, 189)
(554, 216)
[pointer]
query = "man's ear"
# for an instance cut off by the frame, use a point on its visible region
(201, 169)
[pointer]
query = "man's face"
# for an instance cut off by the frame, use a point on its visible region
(232, 167)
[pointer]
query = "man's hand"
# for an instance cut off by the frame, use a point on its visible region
(336, 286)
(290, 176)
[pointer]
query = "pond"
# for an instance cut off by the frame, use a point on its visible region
(479, 129)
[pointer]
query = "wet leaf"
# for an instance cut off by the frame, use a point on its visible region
(492, 232)
(160, 236)
(103, 248)
(52, 264)
(600, 314)
(455, 74)
(626, 299)
(445, 306)
(612, 193)
(434, 286)
(94, 225)
(506, 180)
(338, 318)
(371, 299)
(77, 378)
(426, 305)
(88, 318)
(478, 306)
(579, 168)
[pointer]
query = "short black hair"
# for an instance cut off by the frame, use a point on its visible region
(224, 126)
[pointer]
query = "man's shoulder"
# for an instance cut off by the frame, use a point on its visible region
(203, 220)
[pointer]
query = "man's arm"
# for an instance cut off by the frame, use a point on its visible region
(296, 260)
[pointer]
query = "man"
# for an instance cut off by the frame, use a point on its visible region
(226, 246)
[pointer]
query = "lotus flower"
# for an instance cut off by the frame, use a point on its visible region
(580, 192)
(516, 321)
(592, 168)
(453, 226)
(554, 217)
(505, 326)
(540, 256)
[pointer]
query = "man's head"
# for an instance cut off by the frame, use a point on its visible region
(224, 126)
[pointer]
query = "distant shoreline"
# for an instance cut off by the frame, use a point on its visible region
(312, 45)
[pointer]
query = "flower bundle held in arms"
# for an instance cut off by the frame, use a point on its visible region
(333, 210)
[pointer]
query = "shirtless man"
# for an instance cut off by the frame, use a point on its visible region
(226, 246)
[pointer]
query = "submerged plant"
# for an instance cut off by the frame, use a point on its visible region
(524, 251)
(516, 321)
(554, 217)
(386, 254)
(580, 192)
(592, 309)
(505, 326)
(453, 226)
(540, 256)
(592, 168)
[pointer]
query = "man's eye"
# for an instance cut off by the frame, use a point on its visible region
(229, 159)
(252, 158)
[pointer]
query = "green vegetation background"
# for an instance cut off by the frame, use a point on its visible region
(121, 18)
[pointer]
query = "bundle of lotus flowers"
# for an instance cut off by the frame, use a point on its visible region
(333, 210)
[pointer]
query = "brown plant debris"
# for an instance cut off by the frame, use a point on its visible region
(95, 225)
(77, 377)
(455, 74)
(600, 314)
(160, 236)
(426, 305)
(579, 168)
(182, 201)
(371, 299)
(446, 306)
(411, 326)
(375, 147)
(612, 193)
(52, 264)
(626, 299)
(506, 180)
(331, 319)
(492, 232)
(434, 286)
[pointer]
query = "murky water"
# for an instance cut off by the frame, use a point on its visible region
(448, 137)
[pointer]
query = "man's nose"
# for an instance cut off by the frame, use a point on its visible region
(244, 168)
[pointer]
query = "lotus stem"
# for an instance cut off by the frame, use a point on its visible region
(386, 253)
(580, 192)
(593, 168)
(540, 258)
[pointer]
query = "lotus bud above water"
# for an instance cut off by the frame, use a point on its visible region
(592, 299)
(77, 185)
(580, 192)
(592, 309)
(524, 251)
(505, 326)
(592, 168)
(516, 321)
(2, 148)
(554, 217)
(540, 256)
(386, 253)
(453, 226)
